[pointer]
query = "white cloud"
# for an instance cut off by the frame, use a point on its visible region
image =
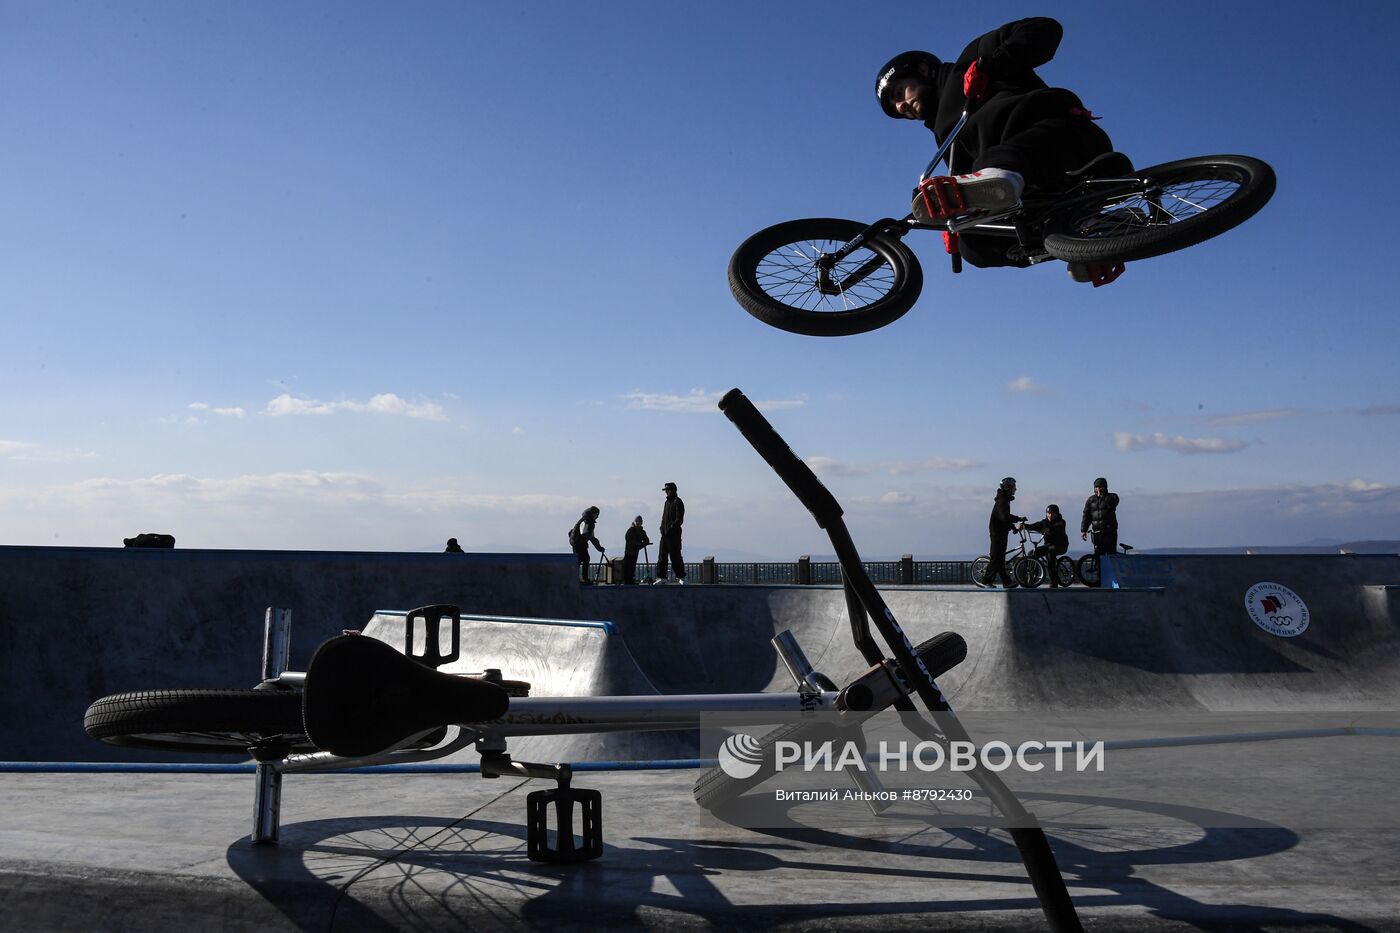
(382, 404)
(1253, 417)
(517, 430)
(226, 412)
(830, 466)
(28, 452)
(1182, 445)
(698, 400)
(1025, 384)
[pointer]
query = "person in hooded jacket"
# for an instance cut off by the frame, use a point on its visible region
(1020, 134)
(1055, 540)
(580, 536)
(1101, 518)
(999, 526)
(635, 539)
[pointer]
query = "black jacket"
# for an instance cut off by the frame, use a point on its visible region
(636, 539)
(1001, 521)
(1016, 97)
(672, 515)
(1056, 538)
(1100, 513)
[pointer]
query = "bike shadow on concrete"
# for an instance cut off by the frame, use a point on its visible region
(413, 873)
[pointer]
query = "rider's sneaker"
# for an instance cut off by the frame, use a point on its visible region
(989, 189)
(1099, 273)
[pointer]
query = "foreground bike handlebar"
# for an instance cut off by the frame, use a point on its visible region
(866, 605)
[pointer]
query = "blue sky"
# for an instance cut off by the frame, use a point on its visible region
(365, 276)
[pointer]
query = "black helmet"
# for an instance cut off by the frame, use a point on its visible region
(897, 67)
(1008, 482)
(1052, 507)
(1101, 483)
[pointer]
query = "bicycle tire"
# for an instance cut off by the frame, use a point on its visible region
(204, 720)
(715, 787)
(1028, 572)
(1201, 197)
(1064, 569)
(1088, 569)
(979, 571)
(773, 276)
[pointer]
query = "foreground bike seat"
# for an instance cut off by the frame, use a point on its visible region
(363, 697)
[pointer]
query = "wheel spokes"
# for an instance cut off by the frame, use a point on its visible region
(790, 275)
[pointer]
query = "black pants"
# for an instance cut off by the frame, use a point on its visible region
(1050, 557)
(1042, 149)
(1106, 541)
(670, 550)
(629, 566)
(996, 550)
(582, 557)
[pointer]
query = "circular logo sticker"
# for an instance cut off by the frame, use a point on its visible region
(740, 756)
(1277, 609)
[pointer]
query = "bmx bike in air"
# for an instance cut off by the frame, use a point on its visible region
(827, 277)
(363, 702)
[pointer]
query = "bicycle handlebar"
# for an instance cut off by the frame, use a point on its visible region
(791, 470)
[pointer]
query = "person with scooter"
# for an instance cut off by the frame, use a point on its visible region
(635, 539)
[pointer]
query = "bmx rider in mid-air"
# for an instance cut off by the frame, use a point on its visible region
(1020, 133)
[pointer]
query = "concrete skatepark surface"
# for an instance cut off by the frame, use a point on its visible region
(159, 851)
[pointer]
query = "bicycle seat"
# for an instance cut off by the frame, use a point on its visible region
(1102, 166)
(1126, 547)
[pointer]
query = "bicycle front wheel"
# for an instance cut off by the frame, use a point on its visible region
(199, 720)
(775, 276)
(1179, 204)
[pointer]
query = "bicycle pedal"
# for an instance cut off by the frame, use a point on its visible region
(588, 845)
(432, 617)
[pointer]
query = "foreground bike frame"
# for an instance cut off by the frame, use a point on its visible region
(366, 703)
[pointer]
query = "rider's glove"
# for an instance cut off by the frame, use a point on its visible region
(975, 82)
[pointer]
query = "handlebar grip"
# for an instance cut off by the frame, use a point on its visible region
(773, 449)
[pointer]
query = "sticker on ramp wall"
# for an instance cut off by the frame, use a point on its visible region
(1276, 609)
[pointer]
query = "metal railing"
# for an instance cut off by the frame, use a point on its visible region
(804, 571)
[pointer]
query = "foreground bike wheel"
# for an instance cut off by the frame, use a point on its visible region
(1185, 203)
(199, 720)
(1089, 570)
(774, 276)
(1028, 572)
(939, 654)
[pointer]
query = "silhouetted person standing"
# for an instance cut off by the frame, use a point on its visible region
(636, 540)
(672, 517)
(453, 547)
(999, 526)
(1101, 518)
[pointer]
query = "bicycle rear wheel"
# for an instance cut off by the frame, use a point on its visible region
(1064, 570)
(1181, 204)
(774, 276)
(979, 570)
(199, 720)
(1089, 570)
(1028, 572)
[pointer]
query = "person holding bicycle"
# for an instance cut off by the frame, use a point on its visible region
(999, 526)
(1054, 539)
(1020, 133)
(1101, 518)
(579, 538)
